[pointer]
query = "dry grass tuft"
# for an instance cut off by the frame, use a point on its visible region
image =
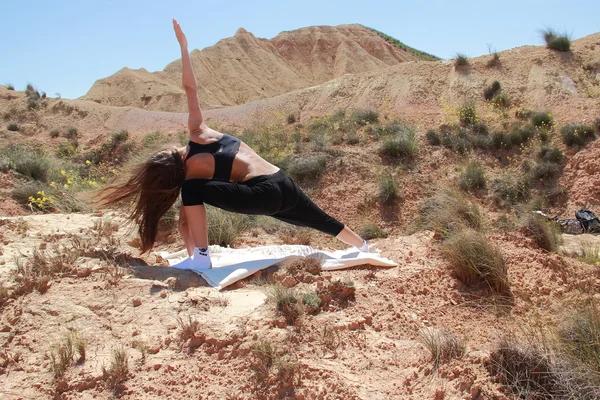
(449, 211)
(442, 345)
(286, 302)
(473, 259)
(545, 233)
(118, 371)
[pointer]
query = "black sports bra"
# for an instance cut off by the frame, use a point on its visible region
(223, 150)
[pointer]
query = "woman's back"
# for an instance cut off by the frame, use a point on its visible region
(214, 155)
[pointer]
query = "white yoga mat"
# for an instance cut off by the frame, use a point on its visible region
(231, 265)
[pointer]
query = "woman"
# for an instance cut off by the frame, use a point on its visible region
(219, 170)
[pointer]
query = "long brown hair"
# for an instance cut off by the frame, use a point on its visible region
(152, 188)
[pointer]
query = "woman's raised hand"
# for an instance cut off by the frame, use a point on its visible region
(180, 35)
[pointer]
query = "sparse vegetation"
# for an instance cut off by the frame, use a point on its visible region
(433, 138)
(307, 169)
(500, 100)
(118, 370)
(577, 134)
(460, 61)
(389, 192)
(404, 145)
(472, 177)
(13, 127)
(71, 133)
(550, 154)
(490, 91)
(54, 133)
(580, 337)
(225, 227)
(494, 61)
(154, 140)
(371, 231)
(510, 189)
(442, 345)
(286, 302)
(555, 40)
(27, 160)
(61, 356)
(364, 117)
(10, 86)
(312, 302)
(542, 120)
(449, 211)
(395, 42)
(545, 233)
(291, 119)
(473, 259)
(467, 114)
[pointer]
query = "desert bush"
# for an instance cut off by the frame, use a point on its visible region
(13, 127)
(119, 137)
(225, 227)
(449, 211)
(291, 119)
(371, 231)
(118, 369)
(433, 137)
(27, 160)
(467, 115)
(10, 86)
(71, 133)
(389, 191)
(480, 128)
(473, 259)
(154, 139)
(472, 177)
(67, 150)
(500, 100)
(458, 140)
(523, 113)
(555, 40)
(265, 353)
(286, 302)
(23, 194)
(54, 133)
(542, 119)
(443, 346)
(61, 356)
(490, 91)
(545, 170)
(580, 337)
(461, 60)
(307, 169)
(526, 369)
(510, 189)
(312, 302)
(364, 117)
(545, 233)
(403, 145)
(577, 134)
(494, 61)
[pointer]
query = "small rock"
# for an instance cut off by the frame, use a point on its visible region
(137, 302)
(157, 366)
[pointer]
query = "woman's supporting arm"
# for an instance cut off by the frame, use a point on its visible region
(185, 231)
(195, 120)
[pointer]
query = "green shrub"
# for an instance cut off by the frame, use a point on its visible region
(523, 113)
(577, 134)
(388, 189)
(67, 150)
(556, 41)
(467, 114)
(433, 138)
(33, 103)
(404, 145)
(490, 91)
(26, 160)
(510, 189)
(54, 133)
(501, 140)
(154, 139)
(545, 233)
(372, 231)
(458, 140)
(307, 169)
(22, 193)
(364, 117)
(542, 120)
(500, 100)
(286, 302)
(120, 136)
(225, 227)
(473, 259)
(312, 302)
(461, 60)
(479, 128)
(545, 170)
(494, 61)
(449, 211)
(393, 128)
(13, 127)
(472, 177)
(71, 133)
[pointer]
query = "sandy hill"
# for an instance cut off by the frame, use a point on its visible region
(244, 68)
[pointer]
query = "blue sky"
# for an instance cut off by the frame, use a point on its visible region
(64, 46)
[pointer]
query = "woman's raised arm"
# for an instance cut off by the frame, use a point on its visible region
(195, 120)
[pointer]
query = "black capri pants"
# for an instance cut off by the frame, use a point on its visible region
(275, 195)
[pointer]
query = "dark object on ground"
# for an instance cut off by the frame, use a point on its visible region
(589, 220)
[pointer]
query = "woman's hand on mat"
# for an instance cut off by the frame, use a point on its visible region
(179, 34)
